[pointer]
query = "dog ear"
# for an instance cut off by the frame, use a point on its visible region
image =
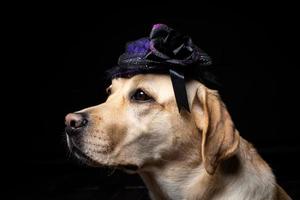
(220, 139)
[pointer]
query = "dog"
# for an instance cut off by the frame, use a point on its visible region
(179, 155)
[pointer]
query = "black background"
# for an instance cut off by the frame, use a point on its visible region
(62, 56)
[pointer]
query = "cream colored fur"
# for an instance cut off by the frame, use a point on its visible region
(197, 155)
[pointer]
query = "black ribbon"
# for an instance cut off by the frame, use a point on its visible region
(178, 83)
(164, 51)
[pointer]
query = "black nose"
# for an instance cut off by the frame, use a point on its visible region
(75, 122)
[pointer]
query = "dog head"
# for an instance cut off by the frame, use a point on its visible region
(139, 125)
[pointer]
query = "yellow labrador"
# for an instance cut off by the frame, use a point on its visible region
(197, 155)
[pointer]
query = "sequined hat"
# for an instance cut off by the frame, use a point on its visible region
(164, 51)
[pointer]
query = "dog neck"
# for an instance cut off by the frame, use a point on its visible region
(174, 176)
(187, 179)
(172, 182)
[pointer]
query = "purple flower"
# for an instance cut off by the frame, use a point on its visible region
(140, 46)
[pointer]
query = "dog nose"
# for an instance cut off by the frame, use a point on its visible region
(75, 122)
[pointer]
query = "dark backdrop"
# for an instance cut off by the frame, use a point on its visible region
(67, 51)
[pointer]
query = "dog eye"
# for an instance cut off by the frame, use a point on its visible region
(140, 95)
(108, 91)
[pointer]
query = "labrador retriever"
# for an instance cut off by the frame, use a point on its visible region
(179, 155)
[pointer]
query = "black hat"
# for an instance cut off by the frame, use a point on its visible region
(164, 51)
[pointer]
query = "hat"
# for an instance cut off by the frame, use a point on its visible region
(165, 51)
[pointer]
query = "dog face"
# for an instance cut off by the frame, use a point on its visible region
(139, 125)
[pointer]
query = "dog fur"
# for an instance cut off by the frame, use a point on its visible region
(179, 155)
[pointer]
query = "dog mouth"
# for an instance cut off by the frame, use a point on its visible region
(79, 154)
(83, 157)
(130, 168)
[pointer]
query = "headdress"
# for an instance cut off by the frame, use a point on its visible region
(164, 51)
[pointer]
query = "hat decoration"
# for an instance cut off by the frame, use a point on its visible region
(164, 51)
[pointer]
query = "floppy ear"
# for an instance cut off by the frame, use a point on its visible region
(220, 139)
